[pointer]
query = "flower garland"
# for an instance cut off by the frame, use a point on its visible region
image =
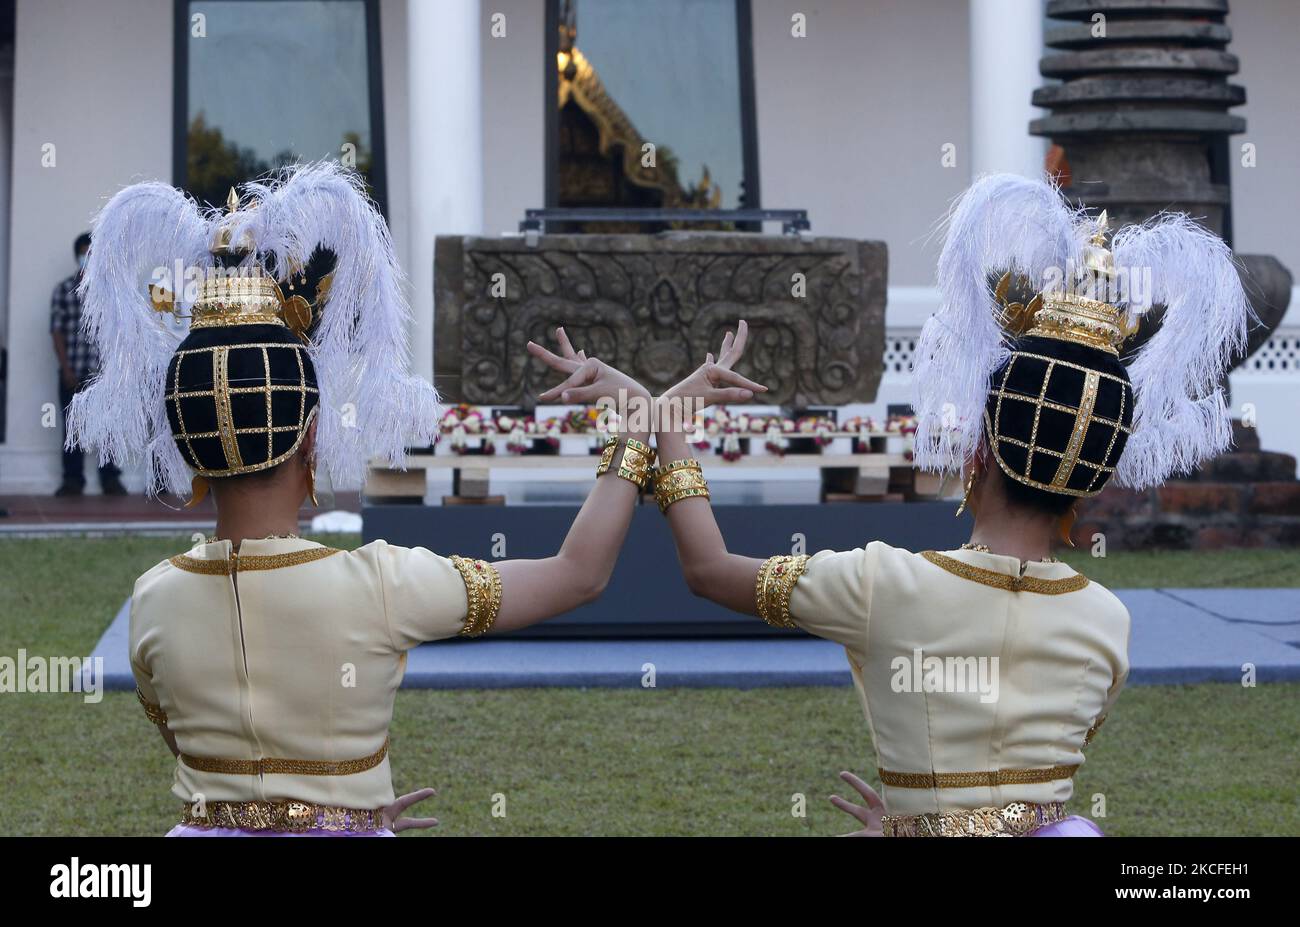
(722, 430)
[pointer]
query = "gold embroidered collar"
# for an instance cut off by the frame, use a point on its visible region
(246, 562)
(1002, 580)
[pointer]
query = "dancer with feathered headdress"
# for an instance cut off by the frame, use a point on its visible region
(985, 670)
(269, 662)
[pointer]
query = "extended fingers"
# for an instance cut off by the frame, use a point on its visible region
(402, 802)
(566, 346)
(726, 345)
(849, 808)
(402, 824)
(728, 395)
(866, 791)
(586, 394)
(719, 374)
(585, 373)
(551, 359)
(733, 346)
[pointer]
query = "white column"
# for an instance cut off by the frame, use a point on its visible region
(1006, 41)
(446, 132)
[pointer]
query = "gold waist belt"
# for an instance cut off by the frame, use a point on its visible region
(975, 780)
(287, 816)
(275, 766)
(1014, 820)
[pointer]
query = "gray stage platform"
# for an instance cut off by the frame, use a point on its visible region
(647, 596)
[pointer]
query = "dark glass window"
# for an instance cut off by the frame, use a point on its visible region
(264, 83)
(676, 74)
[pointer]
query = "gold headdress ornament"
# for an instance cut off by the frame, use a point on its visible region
(242, 295)
(1066, 313)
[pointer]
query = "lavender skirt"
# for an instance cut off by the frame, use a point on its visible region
(186, 830)
(1073, 826)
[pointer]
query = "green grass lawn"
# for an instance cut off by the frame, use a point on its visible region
(1207, 759)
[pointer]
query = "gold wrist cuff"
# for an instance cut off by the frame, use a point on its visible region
(681, 479)
(775, 583)
(607, 455)
(638, 460)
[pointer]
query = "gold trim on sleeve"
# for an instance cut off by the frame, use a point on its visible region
(483, 590)
(152, 711)
(776, 580)
(273, 766)
(990, 779)
(1003, 581)
(1017, 819)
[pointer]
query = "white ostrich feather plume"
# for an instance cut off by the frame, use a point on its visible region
(370, 405)
(1004, 222)
(1011, 223)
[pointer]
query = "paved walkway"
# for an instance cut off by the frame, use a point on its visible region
(1179, 636)
(31, 514)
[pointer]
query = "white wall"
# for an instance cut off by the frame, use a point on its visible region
(852, 119)
(96, 84)
(1266, 198)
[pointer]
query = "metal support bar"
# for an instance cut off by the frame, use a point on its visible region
(793, 221)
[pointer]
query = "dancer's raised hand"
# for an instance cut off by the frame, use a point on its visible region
(588, 379)
(714, 381)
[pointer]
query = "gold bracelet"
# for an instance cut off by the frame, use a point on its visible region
(681, 479)
(638, 459)
(607, 454)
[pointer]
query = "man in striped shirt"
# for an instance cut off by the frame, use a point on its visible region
(78, 362)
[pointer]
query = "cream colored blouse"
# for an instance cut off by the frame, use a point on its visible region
(980, 685)
(276, 668)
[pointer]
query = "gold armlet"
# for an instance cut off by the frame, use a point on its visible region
(483, 590)
(776, 579)
(151, 711)
(681, 479)
(1092, 731)
(638, 459)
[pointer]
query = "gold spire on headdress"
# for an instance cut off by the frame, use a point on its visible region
(242, 295)
(1070, 313)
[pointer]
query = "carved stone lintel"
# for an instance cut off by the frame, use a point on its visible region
(654, 305)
